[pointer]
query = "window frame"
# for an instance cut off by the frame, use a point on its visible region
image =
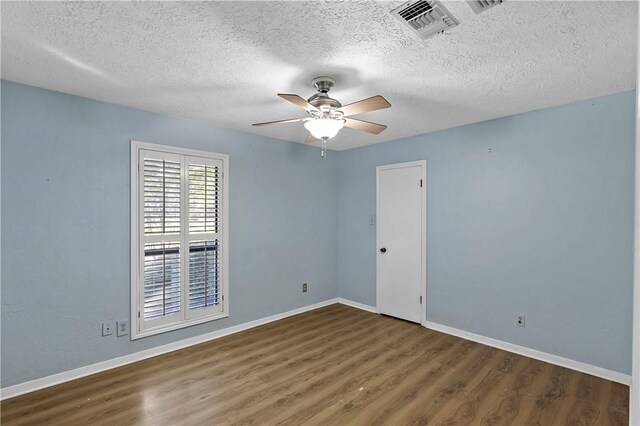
(137, 330)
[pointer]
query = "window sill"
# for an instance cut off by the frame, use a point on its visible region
(176, 326)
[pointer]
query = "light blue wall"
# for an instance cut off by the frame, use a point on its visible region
(540, 226)
(65, 226)
(529, 214)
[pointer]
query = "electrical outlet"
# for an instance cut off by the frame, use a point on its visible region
(107, 328)
(305, 287)
(122, 328)
(520, 320)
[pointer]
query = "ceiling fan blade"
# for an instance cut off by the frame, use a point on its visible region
(292, 120)
(298, 101)
(370, 104)
(366, 126)
(310, 139)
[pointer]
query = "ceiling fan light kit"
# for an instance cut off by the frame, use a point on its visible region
(327, 115)
(324, 128)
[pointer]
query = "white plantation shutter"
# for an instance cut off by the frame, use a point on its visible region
(179, 219)
(204, 221)
(161, 189)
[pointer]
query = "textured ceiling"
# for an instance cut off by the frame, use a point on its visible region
(224, 62)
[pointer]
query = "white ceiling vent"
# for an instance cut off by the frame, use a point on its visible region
(425, 17)
(480, 6)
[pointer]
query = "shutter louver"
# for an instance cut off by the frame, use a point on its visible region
(204, 280)
(203, 198)
(161, 197)
(161, 279)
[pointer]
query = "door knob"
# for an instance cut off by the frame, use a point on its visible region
(383, 250)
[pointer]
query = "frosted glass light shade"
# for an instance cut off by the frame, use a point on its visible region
(324, 127)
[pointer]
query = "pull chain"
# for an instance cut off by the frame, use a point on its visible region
(323, 153)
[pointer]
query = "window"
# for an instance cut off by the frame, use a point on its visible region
(179, 238)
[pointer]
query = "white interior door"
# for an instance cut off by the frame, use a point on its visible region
(401, 240)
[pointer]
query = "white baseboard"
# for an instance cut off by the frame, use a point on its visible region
(33, 385)
(357, 305)
(65, 376)
(614, 376)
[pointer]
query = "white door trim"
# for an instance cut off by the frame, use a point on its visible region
(423, 165)
(634, 394)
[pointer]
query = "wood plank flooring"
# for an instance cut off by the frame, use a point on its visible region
(332, 366)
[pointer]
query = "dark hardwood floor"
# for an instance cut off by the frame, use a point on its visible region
(332, 366)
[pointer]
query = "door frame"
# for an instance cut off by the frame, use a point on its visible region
(634, 391)
(423, 165)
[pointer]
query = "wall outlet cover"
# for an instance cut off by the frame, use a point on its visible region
(122, 328)
(305, 287)
(107, 328)
(521, 320)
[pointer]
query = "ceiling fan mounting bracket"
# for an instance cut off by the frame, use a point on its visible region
(323, 83)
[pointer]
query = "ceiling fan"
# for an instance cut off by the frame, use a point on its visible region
(327, 115)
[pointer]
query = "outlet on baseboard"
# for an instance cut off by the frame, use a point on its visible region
(305, 287)
(520, 320)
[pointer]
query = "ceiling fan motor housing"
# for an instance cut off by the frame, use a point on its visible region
(321, 100)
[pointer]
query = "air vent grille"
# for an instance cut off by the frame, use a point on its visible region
(415, 10)
(480, 6)
(425, 17)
